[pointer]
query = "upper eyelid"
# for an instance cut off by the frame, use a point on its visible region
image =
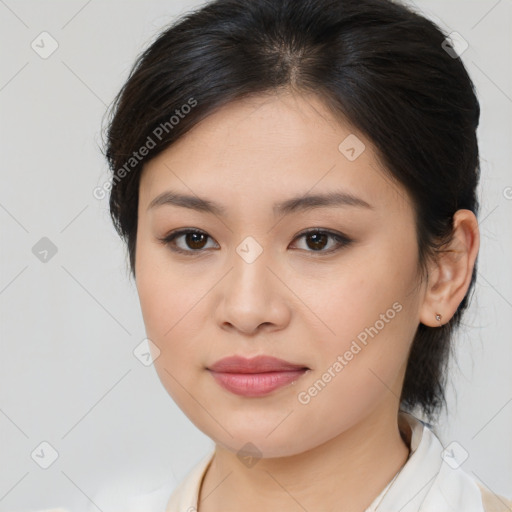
(184, 231)
(339, 237)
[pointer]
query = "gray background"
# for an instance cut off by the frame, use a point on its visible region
(68, 375)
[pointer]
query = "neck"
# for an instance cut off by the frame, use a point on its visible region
(345, 473)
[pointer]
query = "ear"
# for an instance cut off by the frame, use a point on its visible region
(450, 275)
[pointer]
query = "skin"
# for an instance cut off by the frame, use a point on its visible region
(338, 451)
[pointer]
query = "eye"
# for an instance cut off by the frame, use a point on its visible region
(193, 240)
(318, 239)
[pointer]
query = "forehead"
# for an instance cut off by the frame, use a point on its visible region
(275, 147)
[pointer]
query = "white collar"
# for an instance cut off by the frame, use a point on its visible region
(430, 481)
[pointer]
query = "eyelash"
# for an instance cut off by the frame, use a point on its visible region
(342, 240)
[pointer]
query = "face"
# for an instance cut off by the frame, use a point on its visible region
(329, 286)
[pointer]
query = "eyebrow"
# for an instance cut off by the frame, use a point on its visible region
(294, 204)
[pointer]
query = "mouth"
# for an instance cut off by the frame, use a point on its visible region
(255, 377)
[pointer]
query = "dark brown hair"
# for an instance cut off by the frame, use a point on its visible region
(375, 63)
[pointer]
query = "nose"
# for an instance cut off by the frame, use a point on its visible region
(253, 298)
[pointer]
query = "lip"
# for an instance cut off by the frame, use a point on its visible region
(257, 376)
(258, 364)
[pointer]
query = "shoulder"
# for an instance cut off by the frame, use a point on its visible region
(494, 502)
(130, 494)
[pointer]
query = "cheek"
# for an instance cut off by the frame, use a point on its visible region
(344, 299)
(368, 320)
(167, 298)
(167, 292)
(357, 373)
(372, 289)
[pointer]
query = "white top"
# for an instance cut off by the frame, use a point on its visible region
(430, 481)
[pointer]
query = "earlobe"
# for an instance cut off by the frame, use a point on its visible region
(451, 273)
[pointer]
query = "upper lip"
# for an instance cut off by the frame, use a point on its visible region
(258, 364)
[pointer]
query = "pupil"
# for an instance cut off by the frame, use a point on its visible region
(316, 237)
(191, 237)
(195, 240)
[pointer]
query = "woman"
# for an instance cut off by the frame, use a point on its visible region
(296, 184)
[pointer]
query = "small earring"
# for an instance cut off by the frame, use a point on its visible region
(438, 317)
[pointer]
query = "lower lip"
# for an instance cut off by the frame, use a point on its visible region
(256, 384)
